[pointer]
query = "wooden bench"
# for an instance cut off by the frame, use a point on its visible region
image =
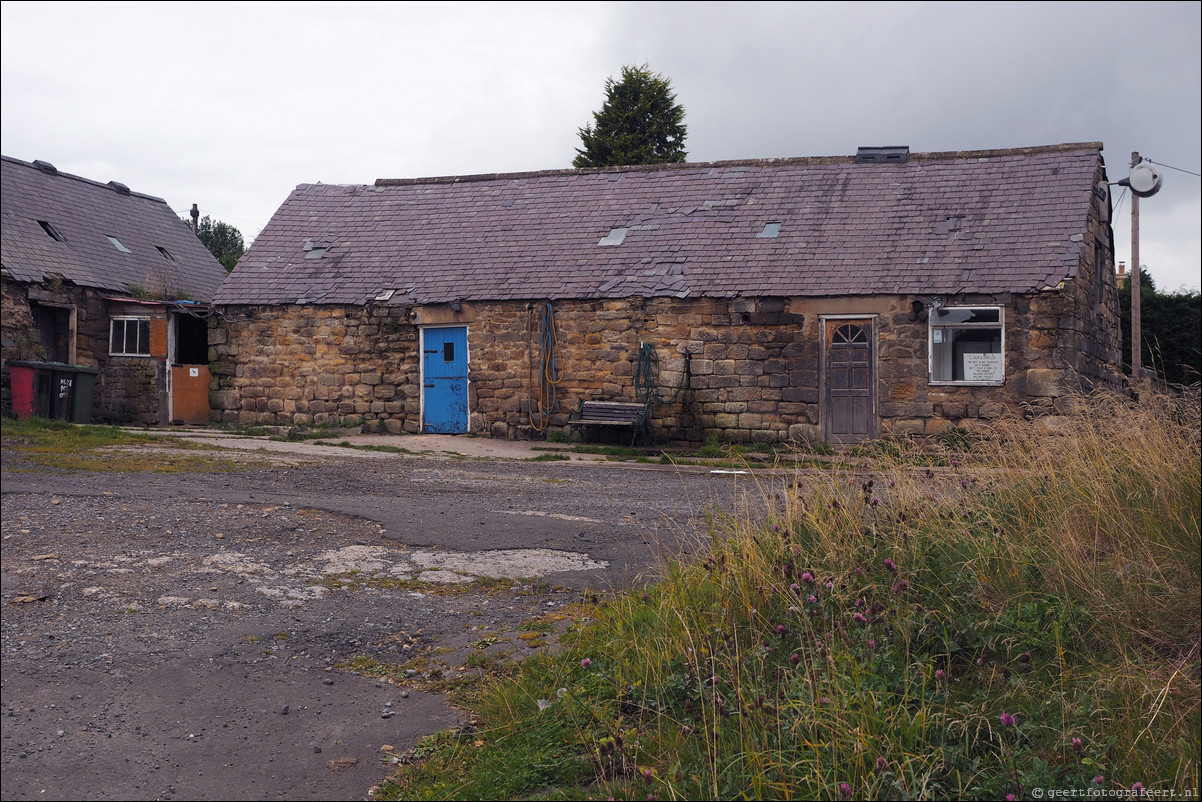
(609, 415)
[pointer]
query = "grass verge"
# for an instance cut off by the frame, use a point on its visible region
(83, 447)
(1026, 621)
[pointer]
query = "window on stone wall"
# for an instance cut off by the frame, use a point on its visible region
(130, 336)
(967, 345)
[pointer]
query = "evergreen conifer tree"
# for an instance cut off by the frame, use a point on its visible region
(639, 123)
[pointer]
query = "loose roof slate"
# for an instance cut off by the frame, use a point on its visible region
(162, 254)
(982, 221)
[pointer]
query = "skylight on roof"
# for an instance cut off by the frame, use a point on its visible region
(52, 231)
(117, 244)
(616, 236)
(770, 231)
(166, 253)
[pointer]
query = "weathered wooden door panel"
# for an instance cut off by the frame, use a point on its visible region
(190, 394)
(849, 400)
(444, 380)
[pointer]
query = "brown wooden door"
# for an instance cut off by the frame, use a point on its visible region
(190, 394)
(849, 400)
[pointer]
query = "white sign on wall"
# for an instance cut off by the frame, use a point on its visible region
(983, 367)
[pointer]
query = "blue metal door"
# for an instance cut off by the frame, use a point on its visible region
(444, 380)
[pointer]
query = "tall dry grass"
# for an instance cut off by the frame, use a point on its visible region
(1014, 613)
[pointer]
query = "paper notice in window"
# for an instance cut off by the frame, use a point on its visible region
(982, 367)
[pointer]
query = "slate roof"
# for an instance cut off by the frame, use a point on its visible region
(85, 213)
(985, 221)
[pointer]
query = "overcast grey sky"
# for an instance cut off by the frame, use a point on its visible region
(231, 105)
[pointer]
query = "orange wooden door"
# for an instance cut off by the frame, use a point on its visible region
(190, 394)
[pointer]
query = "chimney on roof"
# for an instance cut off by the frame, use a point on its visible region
(891, 154)
(195, 219)
(45, 167)
(119, 188)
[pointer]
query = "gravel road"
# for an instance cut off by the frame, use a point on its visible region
(184, 635)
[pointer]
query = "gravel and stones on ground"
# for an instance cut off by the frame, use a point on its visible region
(188, 635)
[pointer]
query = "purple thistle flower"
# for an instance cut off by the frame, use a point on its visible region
(781, 629)
(845, 790)
(647, 776)
(1137, 788)
(1009, 797)
(1077, 744)
(811, 599)
(859, 617)
(808, 578)
(586, 662)
(1099, 780)
(830, 585)
(939, 675)
(1007, 720)
(881, 763)
(795, 658)
(795, 587)
(892, 566)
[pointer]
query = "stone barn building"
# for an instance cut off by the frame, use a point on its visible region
(814, 299)
(103, 283)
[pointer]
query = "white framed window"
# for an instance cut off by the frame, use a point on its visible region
(967, 345)
(129, 336)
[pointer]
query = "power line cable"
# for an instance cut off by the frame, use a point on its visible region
(1178, 169)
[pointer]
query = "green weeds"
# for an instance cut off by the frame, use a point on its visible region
(67, 446)
(1025, 619)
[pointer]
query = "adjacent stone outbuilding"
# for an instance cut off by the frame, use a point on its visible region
(825, 299)
(101, 281)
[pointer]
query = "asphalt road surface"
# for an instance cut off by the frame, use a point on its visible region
(185, 635)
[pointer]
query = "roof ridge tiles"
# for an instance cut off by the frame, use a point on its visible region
(111, 186)
(934, 156)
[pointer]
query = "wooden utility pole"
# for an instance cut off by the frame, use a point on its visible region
(1136, 334)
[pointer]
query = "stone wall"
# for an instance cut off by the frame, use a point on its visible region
(127, 389)
(132, 390)
(18, 333)
(315, 365)
(742, 370)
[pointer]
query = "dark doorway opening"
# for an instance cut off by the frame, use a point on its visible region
(191, 340)
(53, 327)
